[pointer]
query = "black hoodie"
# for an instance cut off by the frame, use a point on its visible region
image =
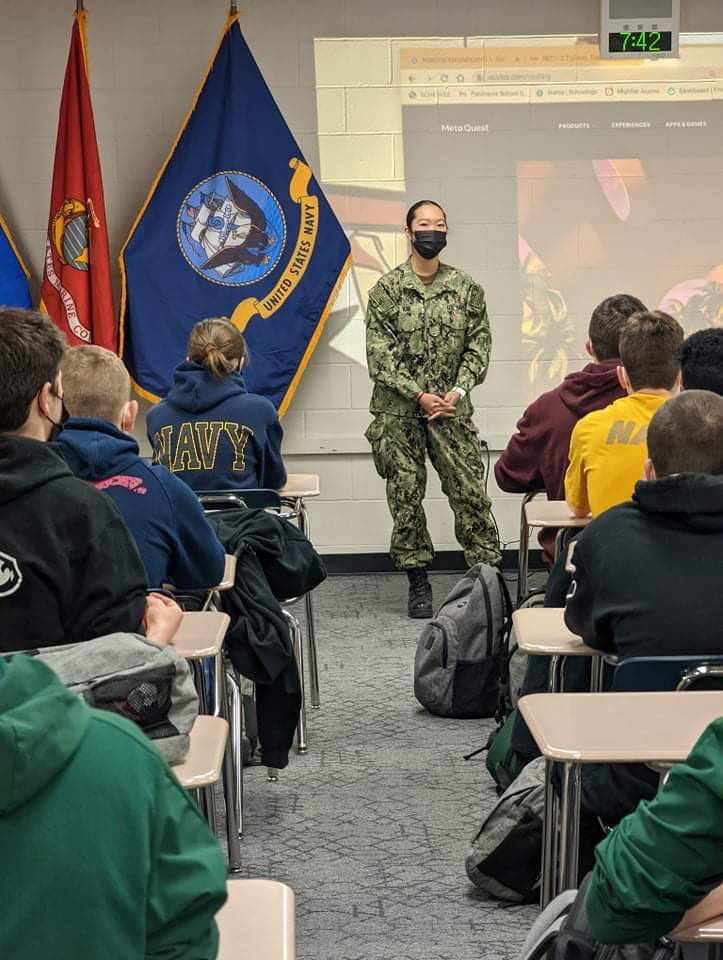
(69, 570)
(647, 583)
(647, 579)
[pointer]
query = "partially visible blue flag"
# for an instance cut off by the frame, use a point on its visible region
(234, 225)
(14, 290)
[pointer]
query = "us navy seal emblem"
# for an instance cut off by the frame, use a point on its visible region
(231, 229)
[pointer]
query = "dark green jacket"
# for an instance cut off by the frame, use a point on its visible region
(429, 338)
(665, 857)
(103, 853)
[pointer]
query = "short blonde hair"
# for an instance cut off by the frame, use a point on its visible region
(218, 346)
(95, 383)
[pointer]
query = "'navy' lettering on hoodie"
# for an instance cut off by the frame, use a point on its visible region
(197, 445)
(239, 437)
(186, 457)
(207, 435)
(162, 446)
(621, 431)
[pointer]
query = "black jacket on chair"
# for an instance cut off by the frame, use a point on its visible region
(274, 561)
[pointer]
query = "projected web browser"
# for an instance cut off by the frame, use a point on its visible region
(565, 177)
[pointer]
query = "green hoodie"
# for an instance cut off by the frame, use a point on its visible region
(665, 857)
(103, 853)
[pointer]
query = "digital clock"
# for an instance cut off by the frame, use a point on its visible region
(642, 29)
(641, 43)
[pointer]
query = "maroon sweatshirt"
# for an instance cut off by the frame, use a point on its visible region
(536, 456)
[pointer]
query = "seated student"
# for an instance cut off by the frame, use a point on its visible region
(175, 540)
(607, 447)
(701, 360)
(664, 858)
(104, 854)
(647, 572)
(69, 570)
(607, 457)
(536, 456)
(209, 430)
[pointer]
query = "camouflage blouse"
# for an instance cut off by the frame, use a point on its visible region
(429, 338)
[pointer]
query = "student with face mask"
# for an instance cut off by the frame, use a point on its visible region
(69, 570)
(428, 345)
(210, 431)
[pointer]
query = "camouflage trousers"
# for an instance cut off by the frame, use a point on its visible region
(400, 446)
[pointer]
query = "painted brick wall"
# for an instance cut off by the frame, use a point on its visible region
(146, 58)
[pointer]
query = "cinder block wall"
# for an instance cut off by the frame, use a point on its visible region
(146, 59)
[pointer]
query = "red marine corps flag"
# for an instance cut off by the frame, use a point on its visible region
(76, 290)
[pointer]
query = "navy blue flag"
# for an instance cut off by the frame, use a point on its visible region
(234, 225)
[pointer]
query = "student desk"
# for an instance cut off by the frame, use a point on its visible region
(541, 632)
(710, 932)
(203, 764)
(577, 728)
(298, 488)
(201, 634)
(227, 581)
(258, 920)
(199, 637)
(542, 514)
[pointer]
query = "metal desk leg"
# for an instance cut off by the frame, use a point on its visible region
(554, 672)
(569, 841)
(559, 542)
(237, 727)
(597, 673)
(523, 554)
(230, 788)
(550, 817)
(199, 680)
(305, 528)
(549, 836)
(298, 648)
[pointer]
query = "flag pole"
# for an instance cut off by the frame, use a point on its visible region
(79, 8)
(233, 9)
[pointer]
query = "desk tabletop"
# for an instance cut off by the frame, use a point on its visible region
(619, 727)
(201, 634)
(204, 761)
(258, 920)
(300, 486)
(711, 931)
(541, 631)
(229, 573)
(552, 513)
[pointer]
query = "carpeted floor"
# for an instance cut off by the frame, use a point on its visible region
(371, 827)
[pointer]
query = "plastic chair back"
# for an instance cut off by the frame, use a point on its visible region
(260, 498)
(653, 674)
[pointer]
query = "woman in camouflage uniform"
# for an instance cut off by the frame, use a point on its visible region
(428, 345)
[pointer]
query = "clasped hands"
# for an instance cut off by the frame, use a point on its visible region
(436, 407)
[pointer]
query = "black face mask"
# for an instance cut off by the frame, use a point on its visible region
(429, 243)
(57, 427)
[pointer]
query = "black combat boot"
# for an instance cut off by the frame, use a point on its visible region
(420, 594)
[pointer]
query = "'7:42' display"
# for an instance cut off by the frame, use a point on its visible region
(640, 43)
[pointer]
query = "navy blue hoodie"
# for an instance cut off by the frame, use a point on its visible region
(175, 541)
(215, 435)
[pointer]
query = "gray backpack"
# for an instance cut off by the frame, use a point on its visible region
(506, 854)
(562, 932)
(130, 676)
(457, 664)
